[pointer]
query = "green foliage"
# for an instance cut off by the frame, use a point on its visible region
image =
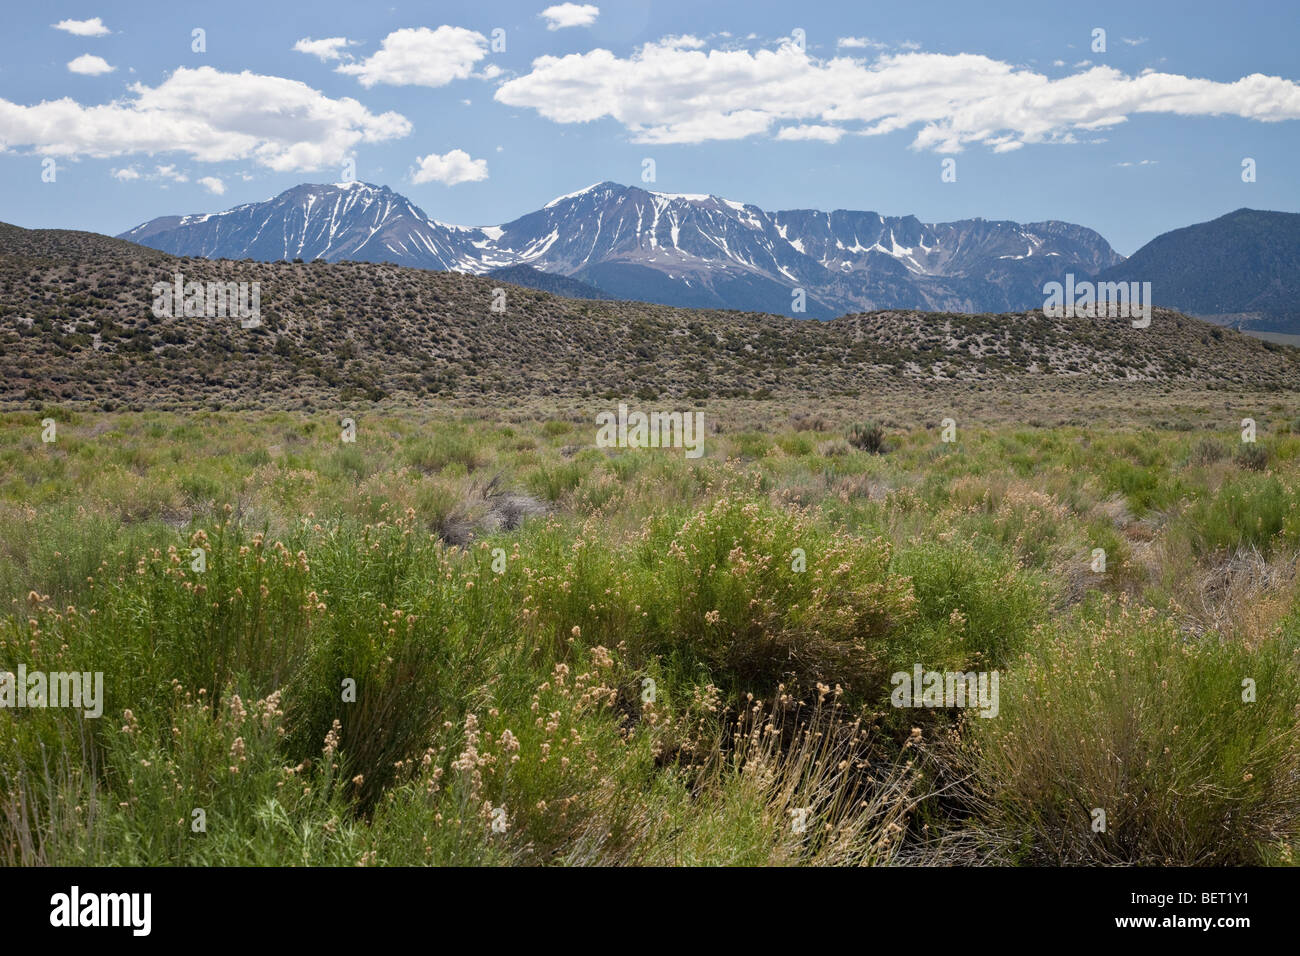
(1125, 715)
(869, 438)
(501, 600)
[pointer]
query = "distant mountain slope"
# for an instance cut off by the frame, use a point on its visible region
(76, 325)
(689, 250)
(532, 278)
(1242, 269)
(343, 221)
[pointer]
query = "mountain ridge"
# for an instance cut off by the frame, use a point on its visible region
(691, 250)
(1257, 287)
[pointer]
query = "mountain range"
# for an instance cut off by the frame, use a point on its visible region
(685, 250)
(703, 251)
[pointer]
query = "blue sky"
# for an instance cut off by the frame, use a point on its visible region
(857, 112)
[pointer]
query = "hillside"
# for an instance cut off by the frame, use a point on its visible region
(76, 325)
(1241, 270)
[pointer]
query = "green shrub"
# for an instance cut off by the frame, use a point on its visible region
(1247, 511)
(1127, 716)
(727, 589)
(869, 438)
(971, 607)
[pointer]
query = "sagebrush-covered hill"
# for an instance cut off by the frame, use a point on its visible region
(76, 325)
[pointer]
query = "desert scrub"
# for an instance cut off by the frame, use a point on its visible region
(760, 595)
(974, 606)
(446, 446)
(868, 437)
(1027, 524)
(403, 631)
(377, 563)
(1250, 510)
(786, 782)
(517, 782)
(1126, 715)
(136, 797)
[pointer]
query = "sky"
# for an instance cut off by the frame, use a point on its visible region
(114, 113)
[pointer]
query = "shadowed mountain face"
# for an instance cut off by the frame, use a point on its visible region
(1242, 269)
(686, 250)
(559, 285)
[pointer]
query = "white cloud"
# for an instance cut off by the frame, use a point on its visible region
(858, 43)
(686, 41)
(126, 174)
(83, 28)
(1142, 162)
(421, 57)
(325, 50)
(281, 124)
(213, 185)
(827, 134)
(664, 93)
(170, 172)
(570, 15)
(90, 65)
(450, 168)
(1137, 41)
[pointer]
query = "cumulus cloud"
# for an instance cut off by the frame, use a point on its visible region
(282, 124)
(450, 168)
(666, 93)
(126, 174)
(570, 15)
(421, 57)
(93, 27)
(325, 50)
(213, 185)
(89, 65)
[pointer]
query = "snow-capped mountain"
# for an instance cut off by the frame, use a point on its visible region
(685, 250)
(343, 221)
